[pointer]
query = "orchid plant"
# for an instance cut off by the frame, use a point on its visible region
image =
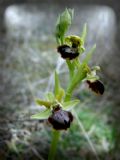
(58, 105)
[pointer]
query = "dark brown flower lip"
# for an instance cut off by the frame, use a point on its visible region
(60, 119)
(96, 86)
(67, 52)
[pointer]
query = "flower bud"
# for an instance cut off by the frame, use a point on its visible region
(60, 119)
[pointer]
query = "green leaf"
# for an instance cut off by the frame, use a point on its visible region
(43, 103)
(70, 104)
(84, 32)
(42, 115)
(89, 55)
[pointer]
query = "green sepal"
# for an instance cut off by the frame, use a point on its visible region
(50, 96)
(42, 115)
(60, 95)
(43, 103)
(89, 55)
(70, 104)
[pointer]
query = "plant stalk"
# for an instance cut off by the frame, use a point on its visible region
(53, 148)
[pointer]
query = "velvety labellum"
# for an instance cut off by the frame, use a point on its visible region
(67, 52)
(96, 86)
(60, 119)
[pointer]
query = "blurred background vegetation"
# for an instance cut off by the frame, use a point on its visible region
(28, 59)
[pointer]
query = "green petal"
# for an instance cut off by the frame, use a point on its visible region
(42, 115)
(70, 104)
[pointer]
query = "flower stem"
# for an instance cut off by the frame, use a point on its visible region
(55, 138)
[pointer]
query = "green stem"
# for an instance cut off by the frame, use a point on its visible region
(71, 68)
(55, 138)
(69, 91)
(76, 79)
